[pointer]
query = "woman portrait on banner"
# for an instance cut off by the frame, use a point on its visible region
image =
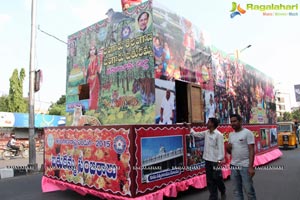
(165, 60)
(188, 41)
(92, 74)
(158, 52)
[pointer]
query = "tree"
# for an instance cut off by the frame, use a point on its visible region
(290, 116)
(15, 99)
(58, 108)
(296, 115)
(287, 116)
(280, 119)
(3, 104)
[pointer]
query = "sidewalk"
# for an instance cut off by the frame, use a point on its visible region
(19, 161)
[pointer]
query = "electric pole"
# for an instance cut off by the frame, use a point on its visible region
(32, 153)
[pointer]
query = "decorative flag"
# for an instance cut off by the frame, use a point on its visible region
(129, 3)
(297, 92)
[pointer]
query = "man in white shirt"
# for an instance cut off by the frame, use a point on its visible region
(213, 156)
(211, 109)
(241, 147)
(167, 109)
(12, 144)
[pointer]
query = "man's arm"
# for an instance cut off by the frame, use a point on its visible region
(251, 170)
(251, 142)
(172, 116)
(229, 145)
(200, 134)
(161, 114)
(229, 148)
(220, 147)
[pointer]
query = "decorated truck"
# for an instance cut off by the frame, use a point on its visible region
(132, 80)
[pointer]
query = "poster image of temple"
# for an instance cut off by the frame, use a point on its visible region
(162, 157)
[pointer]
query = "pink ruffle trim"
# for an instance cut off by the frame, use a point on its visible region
(267, 157)
(258, 160)
(50, 185)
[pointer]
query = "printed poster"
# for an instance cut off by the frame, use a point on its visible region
(96, 158)
(162, 157)
(194, 149)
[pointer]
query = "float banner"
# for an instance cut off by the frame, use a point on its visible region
(165, 155)
(95, 158)
(194, 153)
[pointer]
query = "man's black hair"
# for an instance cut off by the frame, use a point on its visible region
(215, 121)
(239, 118)
(142, 14)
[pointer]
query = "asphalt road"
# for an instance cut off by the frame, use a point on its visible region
(276, 181)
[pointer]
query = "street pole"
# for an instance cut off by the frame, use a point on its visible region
(237, 52)
(32, 153)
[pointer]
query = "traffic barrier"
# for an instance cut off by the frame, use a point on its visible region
(6, 173)
(19, 170)
(14, 170)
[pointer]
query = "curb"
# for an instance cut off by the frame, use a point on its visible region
(12, 171)
(6, 173)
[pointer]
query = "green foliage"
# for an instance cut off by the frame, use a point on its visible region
(296, 115)
(280, 119)
(293, 116)
(15, 99)
(287, 116)
(62, 100)
(128, 115)
(58, 108)
(3, 104)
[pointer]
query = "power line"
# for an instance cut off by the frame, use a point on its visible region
(51, 35)
(246, 48)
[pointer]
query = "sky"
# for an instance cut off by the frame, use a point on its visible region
(274, 40)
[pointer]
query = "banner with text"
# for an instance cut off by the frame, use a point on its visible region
(97, 158)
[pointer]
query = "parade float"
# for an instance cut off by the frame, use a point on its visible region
(121, 71)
